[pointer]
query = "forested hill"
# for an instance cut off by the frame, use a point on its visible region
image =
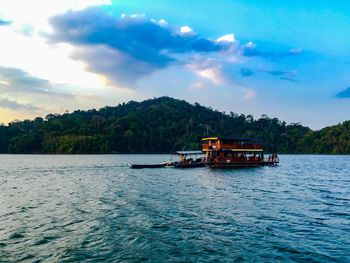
(162, 125)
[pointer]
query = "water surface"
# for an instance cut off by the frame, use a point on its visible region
(75, 208)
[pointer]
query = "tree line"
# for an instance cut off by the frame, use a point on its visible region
(162, 125)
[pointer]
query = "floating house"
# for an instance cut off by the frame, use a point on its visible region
(235, 153)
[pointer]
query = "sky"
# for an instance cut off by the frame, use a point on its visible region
(286, 59)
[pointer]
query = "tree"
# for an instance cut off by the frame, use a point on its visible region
(162, 125)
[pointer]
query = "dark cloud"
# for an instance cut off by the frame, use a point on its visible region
(137, 36)
(283, 75)
(344, 94)
(127, 46)
(278, 73)
(20, 80)
(119, 67)
(252, 51)
(5, 23)
(14, 105)
(246, 72)
(13, 80)
(288, 79)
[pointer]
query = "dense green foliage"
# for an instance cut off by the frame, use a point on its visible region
(162, 125)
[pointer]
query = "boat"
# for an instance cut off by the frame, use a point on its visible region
(220, 153)
(186, 159)
(236, 153)
(143, 166)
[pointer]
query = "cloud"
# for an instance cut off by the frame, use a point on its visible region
(217, 72)
(20, 80)
(344, 94)
(209, 69)
(250, 94)
(186, 30)
(14, 105)
(13, 80)
(246, 72)
(288, 79)
(34, 14)
(135, 35)
(120, 68)
(132, 42)
(280, 73)
(26, 94)
(275, 73)
(127, 48)
(283, 75)
(227, 38)
(251, 50)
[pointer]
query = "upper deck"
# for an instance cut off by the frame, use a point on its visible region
(231, 144)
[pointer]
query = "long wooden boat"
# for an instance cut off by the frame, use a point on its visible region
(142, 166)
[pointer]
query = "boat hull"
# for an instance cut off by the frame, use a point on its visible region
(145, 166)
(242, 164)
(232, 165)
(189, 165)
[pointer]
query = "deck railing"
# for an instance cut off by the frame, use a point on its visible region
(271, 160)
(205, 146)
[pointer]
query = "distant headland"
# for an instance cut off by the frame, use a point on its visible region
(162, 125)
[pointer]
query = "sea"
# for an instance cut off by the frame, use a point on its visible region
(94, 208)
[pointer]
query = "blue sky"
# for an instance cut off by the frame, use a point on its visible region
(287, 59)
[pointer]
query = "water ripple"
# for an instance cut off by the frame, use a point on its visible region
(94, 208)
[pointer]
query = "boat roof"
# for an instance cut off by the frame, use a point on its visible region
(228, 139)
(188, 152)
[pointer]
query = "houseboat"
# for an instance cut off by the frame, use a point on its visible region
(235, 153)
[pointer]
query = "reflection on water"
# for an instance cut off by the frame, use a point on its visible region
(93, 207)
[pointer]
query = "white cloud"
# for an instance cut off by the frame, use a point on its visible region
(250, 45)
(35, 13)
(186, 30)
(230, 38)
(213, 74)
(218, 72)
(4, 82)
(208, 69)
(250, 94)
(163, 23)
(24, 47)
(51, 62)
(32, 53)
(137, 16)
